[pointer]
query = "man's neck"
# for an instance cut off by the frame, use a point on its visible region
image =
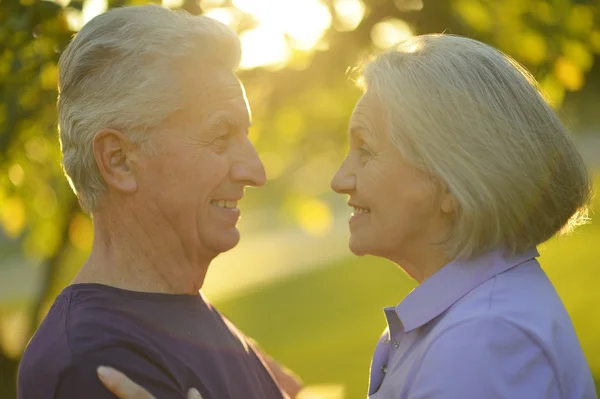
(148, 257)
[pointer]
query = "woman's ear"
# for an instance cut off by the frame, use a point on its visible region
(448, 202)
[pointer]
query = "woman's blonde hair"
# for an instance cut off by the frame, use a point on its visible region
(474, 117)
(122, 71)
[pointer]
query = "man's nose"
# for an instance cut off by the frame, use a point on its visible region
(248, 168)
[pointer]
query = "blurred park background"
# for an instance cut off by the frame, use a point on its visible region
(291, 283)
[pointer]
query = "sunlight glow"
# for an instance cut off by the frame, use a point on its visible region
(322, 391)
(13, 216)
(280, 26)
(413, 47)
(206, 4)
(569, 74)
(91, 8)
(389, 32)
(409, 5)
(533, 48)
(172, 3)
(74, 19)
(314, 216)
(349, 14)
(15, 174)
(63, 3)
(303, 23)
(263, 47)
(12, 332)
(226, 15)
(306, 35)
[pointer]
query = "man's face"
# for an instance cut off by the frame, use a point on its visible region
(203, 163)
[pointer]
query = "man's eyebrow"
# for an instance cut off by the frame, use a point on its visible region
(233, 120)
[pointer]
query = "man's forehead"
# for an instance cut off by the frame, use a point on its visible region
(210, 96)
(212, 85)
(196, 78)
(219, 86)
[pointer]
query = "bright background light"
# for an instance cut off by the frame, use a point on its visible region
(279, 28)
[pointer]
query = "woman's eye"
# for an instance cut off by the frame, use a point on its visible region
(364, 150)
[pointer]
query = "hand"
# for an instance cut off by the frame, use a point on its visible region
(287, 380)
(290, 383)
(123, 388)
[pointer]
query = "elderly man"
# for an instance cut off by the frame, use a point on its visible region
(153, 129)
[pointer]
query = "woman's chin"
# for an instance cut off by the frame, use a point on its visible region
(358, 247)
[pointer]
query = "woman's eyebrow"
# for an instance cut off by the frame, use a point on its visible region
(357, 132)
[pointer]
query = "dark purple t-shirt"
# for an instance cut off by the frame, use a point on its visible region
(166, 343)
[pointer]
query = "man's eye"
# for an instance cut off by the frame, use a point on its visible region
(221, 140)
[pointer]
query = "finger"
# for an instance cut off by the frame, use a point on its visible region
(194, 394)
(120, 385)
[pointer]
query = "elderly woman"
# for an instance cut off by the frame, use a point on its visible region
(457, 170)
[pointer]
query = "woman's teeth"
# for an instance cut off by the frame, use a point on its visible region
(358, 210)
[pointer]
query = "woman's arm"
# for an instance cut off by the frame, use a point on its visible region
(121, 386)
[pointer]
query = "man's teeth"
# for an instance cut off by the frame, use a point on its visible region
(358, 210)
(226, 204)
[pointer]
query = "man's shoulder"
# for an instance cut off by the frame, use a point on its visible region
(71, 329)
(76, 332)
(47, 354)
(51, 336)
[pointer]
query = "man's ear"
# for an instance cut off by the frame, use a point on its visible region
(114, 154)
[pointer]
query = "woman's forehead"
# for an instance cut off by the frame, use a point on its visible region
(368, 110)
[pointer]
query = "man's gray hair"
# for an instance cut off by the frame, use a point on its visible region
(121, 72)
(472, 116)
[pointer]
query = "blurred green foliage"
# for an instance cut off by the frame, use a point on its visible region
(300, 110)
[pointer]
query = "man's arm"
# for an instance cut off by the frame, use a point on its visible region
(289, 382)
(80, 380)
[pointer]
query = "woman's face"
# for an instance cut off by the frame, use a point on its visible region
(398, 210)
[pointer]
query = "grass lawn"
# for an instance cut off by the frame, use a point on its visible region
(323, 325)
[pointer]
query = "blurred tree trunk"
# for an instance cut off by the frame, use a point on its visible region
(9, 366)
(51, 267)
(8, 371)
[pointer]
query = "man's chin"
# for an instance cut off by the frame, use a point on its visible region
(225, 241)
